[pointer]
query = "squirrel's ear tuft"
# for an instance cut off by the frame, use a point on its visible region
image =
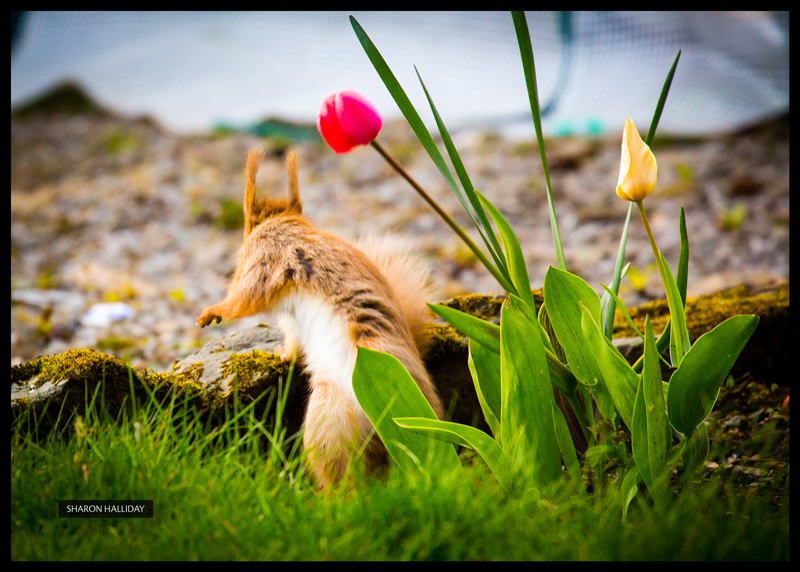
(254, 159)
(294, 192)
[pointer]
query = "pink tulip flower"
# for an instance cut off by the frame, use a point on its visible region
(347, 119)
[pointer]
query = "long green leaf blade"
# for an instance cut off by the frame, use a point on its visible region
(469, 189)
(683, 259)
(562, 293)
(662, 100)
(694, 387)
(484, 365)
(663, 340)
(483, 332)
(606, 307)
(679, 338)
(489, 450)
(488, 335)
(528, 431)
(413, 118)
(619, 378)
(618, 303)
(567, 448)
(513, 252)
(649, 431)
(405, 105)
(385, 390)
(528, 66)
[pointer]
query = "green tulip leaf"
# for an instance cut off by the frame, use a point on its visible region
(563, 292)
(567, 448)
(489, 450)
(683, 259)
(675, 453)
(663, 341)
(425, 138)
(529, 68)
(488, 335)
(662, 99)
(679, 342)
(544, 320)
(618, 378)
(469, 189)
(483, 332)
(630, 486)
(618, 304)
(694, 387)
(513, 253)
(484, 365)
(385, 390)
(528, 432)
(606, 307)
(649, 430)
(406, 107)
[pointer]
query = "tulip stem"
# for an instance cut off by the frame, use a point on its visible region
(457, 229)
(651, 239)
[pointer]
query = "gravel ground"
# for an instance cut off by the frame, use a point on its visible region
(108, 209)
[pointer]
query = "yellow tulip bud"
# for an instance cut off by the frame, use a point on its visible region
(637, 169)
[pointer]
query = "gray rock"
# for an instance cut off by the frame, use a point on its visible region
(215, 353)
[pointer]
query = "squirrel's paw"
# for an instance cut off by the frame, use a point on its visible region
(285, 353)
(207, 317)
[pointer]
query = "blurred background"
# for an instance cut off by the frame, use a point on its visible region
(191, 71)
(129, 133)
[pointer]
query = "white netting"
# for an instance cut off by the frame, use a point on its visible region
(192, 70)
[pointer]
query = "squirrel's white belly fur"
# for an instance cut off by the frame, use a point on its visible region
(322, 334)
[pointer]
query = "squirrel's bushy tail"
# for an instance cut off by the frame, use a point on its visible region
(408, 277)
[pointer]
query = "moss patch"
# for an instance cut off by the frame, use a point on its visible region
(705, 312)
(71, 364)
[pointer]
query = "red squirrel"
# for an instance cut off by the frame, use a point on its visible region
(328, 296)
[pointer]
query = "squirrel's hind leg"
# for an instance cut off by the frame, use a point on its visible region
(333, 427)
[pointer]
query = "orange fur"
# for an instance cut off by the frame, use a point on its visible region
(329, 297)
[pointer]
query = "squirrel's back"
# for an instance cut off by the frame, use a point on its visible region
(408, 276)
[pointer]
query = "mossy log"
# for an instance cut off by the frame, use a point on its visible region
(242, 367)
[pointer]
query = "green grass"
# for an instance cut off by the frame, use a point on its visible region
(220, 491)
